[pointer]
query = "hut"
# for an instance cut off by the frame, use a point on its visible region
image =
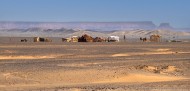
(155, 38)
(64, 40)
(39, 39)
(48, 40)
(113, 39)
(74, 39)
(98, 39)
(85, 38)
(36, 39)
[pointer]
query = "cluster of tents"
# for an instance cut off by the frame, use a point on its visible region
(83, 38)
(87, 38)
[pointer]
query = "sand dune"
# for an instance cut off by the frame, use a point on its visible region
(34, 57)
(139, 54)
(162, 50)
(25, 57)
(152, 52)
(7, 51)
(142, 78)
(84, 77)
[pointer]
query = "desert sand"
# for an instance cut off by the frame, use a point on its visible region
(124, 66)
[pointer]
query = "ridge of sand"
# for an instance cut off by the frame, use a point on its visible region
(34, 57)
(162, 50)
(147, 53)
(85, 77)
(150, 52)
(142, 78)
(25, 57)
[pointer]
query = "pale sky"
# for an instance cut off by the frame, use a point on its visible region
(176, 12)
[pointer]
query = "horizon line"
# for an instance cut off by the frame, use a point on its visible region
(79, 21)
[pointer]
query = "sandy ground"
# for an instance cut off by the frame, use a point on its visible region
(126, 66)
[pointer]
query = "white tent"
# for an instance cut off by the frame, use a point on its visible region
(113, 39)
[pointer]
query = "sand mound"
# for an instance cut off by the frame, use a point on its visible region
(34, 57)
(162, 50)
(25, 57)
(120, 55)
(150, 68)
(142, 53)
(14, 78)
(141, 78)
(169, 69)
(160, 69)
(150, 52)
(85, 77)
(7, 51)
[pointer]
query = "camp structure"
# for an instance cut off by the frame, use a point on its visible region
(85, 38)
(39, 39)
(64, 40)
(72, 39)
(98, 39)
(113, 39)
(155, 38)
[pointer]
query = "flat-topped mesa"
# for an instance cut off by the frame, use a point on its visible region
(165, 26)
(106, 26)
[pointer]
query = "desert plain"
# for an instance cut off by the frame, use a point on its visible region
(122, 66)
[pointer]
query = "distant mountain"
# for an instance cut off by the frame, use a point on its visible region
(165, 26)
(98, 26)
(95, 29)
(166, 34)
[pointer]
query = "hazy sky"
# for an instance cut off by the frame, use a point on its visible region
(176, 12)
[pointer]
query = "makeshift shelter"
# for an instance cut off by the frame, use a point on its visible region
(155, 38)
(39, 39)
(98, 39)
(74, 39)
(113, 39)
(64, 39)
(85, 38)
